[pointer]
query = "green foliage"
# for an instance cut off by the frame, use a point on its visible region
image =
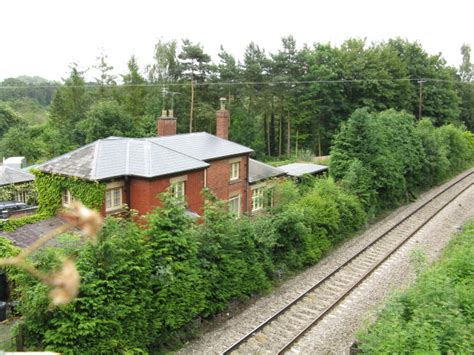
(434, 316)
(13, 224)
(384, 157)
(51, 186)
(179, 286)
(9, 192)
(229, 259)
(105, 118)
(111, 313)
(7, 249)
(8, 118)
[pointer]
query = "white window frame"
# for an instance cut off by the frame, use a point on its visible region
(67, 198)
(178, 189)
(113, 199)
(258, 198)
(230, 202)
(234, 171)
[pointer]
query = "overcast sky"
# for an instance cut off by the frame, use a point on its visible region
(43, 37)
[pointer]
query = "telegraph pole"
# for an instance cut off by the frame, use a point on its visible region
(420, 107)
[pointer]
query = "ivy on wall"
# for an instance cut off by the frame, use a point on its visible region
(9, 192)
(51, 186)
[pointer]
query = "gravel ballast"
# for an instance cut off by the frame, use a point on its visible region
(336, 332)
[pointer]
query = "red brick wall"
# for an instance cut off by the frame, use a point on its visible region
(218, 179)
(222, 124)
(143, 192)
(166, 126)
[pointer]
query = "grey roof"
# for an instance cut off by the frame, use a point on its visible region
(14, 176)
(202, 145)
(260, 171)
(299, 169)
(115, 156)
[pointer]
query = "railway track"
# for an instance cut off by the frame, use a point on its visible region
(278, 333)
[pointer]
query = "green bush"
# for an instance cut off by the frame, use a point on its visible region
(13, 224)
(112, 311)
(385, 157)
(179, 288)
(434, 316)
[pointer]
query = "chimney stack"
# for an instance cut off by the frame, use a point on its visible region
(166, 124)
(222, 121)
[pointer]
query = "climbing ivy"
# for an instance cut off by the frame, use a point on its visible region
(9, 192)
(51, 186)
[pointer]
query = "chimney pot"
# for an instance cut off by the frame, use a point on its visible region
(222, 100)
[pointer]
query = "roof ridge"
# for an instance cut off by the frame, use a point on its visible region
(94, 159)
(70, 152)
(177, 151)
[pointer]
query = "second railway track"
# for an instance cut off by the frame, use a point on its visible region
(278, 333)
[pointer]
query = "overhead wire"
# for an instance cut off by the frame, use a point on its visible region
(240, 83)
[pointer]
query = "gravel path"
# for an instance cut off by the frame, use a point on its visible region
(337, 332)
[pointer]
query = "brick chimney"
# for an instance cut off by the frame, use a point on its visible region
(222, 121)
(166, 124)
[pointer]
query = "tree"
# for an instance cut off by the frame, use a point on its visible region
(69, 107)
(133, 92)
(466, 87)
(8, 118)
(106, 79)
(24, 141)
(195, 67)
(106, 118)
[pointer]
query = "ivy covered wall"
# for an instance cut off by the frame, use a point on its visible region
(51, 186)
(9, 192)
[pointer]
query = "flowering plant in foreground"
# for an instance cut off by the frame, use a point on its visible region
(64, 283)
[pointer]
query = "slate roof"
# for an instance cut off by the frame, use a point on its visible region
(202, 145)
(299, 169)
(260, 171)
(28, 234)
(13, 176)
(143, 157)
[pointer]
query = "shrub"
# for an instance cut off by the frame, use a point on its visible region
(434, 316)
(111, 313)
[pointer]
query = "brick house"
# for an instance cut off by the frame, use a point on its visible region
(136, 170)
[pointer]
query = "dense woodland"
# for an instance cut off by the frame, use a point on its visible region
(280, 103)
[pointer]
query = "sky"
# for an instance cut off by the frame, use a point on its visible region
(43, 37)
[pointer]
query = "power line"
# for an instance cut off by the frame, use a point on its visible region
(231, 83)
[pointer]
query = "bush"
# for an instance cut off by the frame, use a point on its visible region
(111, 313)
(434, 316)
(179, 288)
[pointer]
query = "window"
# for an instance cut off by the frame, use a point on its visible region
(67, 198)
(178, 190)
(257, 198)
(234, 171)
(22, 196)
(234, 205)
(113, 199)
